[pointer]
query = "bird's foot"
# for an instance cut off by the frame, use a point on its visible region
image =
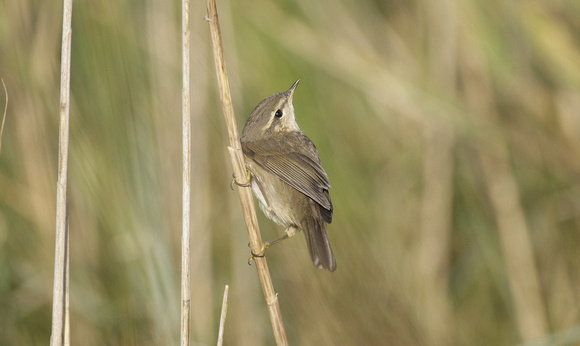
(290, 232)
(260, 254)
(246, 184)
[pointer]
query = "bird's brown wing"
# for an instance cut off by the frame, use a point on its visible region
(295, 160)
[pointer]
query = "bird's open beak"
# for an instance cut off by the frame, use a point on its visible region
(292, 88)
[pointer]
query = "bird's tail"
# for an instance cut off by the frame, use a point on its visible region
(318, 243)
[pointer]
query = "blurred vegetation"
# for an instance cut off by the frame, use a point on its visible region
(450, 131)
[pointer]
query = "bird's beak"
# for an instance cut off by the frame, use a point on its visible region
(292, 88)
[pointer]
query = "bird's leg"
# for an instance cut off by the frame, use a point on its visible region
(246, 184)
(290, 232)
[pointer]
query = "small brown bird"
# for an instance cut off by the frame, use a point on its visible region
(287, 176)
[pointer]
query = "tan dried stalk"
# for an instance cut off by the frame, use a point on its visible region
(185, 236)
(220, 341)
(4, 116)
(240, 173)
(58, 300)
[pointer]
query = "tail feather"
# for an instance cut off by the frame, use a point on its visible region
(318, 243)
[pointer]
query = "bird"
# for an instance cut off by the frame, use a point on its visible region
(287, 177)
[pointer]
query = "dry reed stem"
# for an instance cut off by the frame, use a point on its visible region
(61, 200)
(4, 116)
(186, 128)
(223, 317)
(240, 174)
(67, 285)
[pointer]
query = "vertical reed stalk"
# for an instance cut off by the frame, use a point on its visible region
(185, 244)
(66, 341)
(61, 200)
(239, 167)
(4, 116)
(220, 341)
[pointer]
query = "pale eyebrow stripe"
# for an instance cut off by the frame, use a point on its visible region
(267, 126)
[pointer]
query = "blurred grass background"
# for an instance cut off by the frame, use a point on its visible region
(450, 131)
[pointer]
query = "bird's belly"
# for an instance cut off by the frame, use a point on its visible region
(273, 197)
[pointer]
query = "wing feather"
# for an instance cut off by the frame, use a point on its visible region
(296, 161)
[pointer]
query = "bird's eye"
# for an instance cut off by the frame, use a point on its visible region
(278, 113)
